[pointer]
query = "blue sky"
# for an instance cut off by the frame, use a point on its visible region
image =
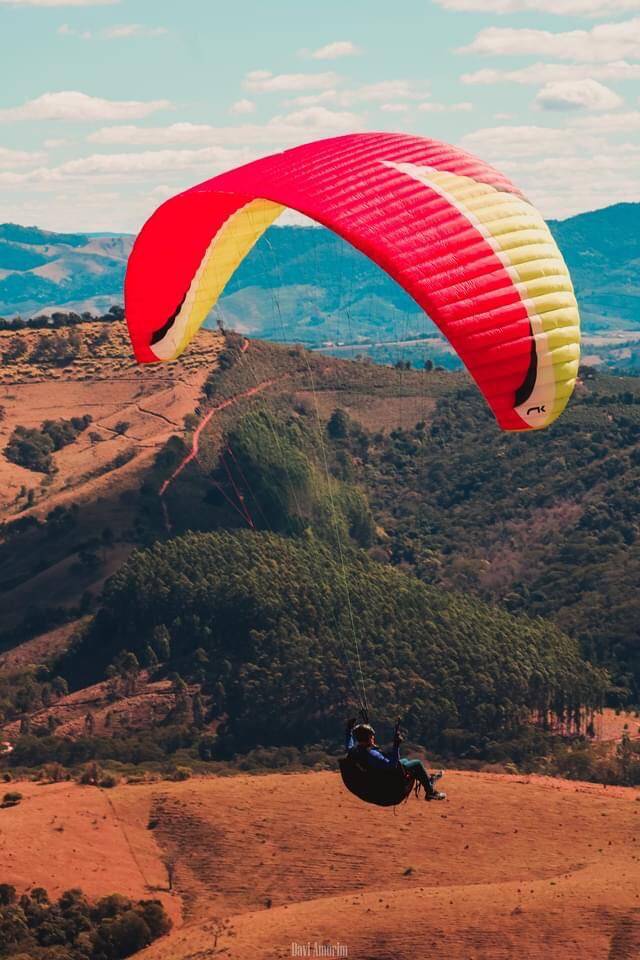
(107, 108)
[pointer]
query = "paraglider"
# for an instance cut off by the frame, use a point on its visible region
(456, 234)
(458, 237)
(381, 778)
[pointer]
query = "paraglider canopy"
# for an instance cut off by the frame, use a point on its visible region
(458, 236)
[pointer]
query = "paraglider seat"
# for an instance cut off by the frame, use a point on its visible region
(385, 788)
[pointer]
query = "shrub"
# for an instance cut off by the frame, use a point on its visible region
(32, 447)
(91, 775)
(108, 781)
(12, 796)
(179, 774)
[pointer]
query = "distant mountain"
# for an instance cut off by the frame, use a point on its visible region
(42, 271)
(308, 285)
(602, 250)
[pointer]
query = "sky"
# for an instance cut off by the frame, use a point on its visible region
(108, 107)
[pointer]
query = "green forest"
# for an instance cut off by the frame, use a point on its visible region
(277, 629)
(545, 524)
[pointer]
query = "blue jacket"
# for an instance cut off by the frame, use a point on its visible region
(373, 757)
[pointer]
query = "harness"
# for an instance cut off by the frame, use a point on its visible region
(384, 788)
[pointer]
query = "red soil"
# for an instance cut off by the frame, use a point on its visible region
(508, 867)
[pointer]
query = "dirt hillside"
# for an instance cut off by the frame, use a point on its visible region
(508, 867)
(74, 372)
(134, 409)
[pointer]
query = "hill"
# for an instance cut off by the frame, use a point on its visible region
(56, 551)
(602, 250)
(168, 456)
(404, 467)
(267, 626)
(306, 285)
(107, 476)
(328, 291)
(264, 862)
(44, 271)
(546, 524)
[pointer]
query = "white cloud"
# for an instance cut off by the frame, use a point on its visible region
(564, 171)
(66, 31)
(121, 32)
(59, 3)
(604, 42)
(162, 192)
(263, 81)
(71, 105)
(430, 107)
(562, 186)
(537, 73)
(174, 134)
(577, 95)
(285, 129)
(312, 99)
(59, 210)
(497, 143)
(242, 106)
(130, 166)
(317, 118)
(394, 107)
(627, 122)
(126, 30)
(55, 144)
(385, 91)
(118, 164)
(588, 8)
(11, 158)
(331, 51)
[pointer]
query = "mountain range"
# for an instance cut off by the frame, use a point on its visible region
(307, 285)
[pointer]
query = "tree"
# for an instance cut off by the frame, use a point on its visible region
(627, 758)
(128, 666)
(338, 424)
(162, 643)
(182, 699)
(153, 914)
(170, 861)
(198, 710)
(123, 936)
(15, 350)
(31, 449)
(60, 686)
(13, 925)
(200, 665)
(149, 657)
(7, 894)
